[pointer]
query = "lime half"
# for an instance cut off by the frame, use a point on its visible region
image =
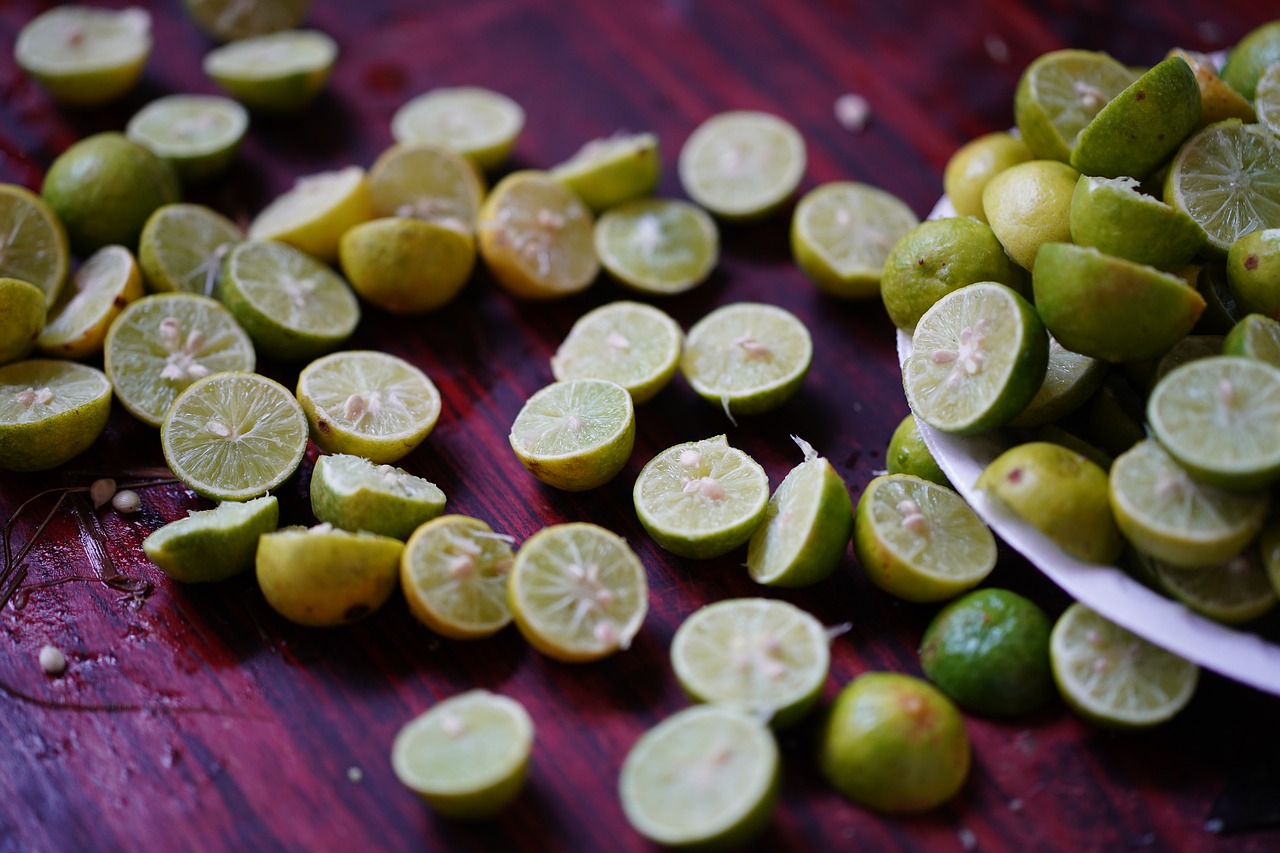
(480, 124)
(276, 72)
(316, 212)
(1233, 592)
(742, 164)
(35, 248)
(576, 434)
(630, 343)
(1060, 93)
(50, 411)
(85, 56)
(427, 181)
(607, 172)
(657, 245)
(352, 493)
(182, 248)
(213, 544)
(321, 577)
(198, 134)
(104, 284)
(747, 357)
(454, 573)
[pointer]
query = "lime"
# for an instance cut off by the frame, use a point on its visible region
(427, 181)
(182, 248)
(1109, 308)
(480, 124)
(630, 343)
(989, 651)
(197, 134)
(1114, 418)
(34, 248)
(158, 345)
(1253, 272)
(1113, 677)
(322, 577)
(978, 358)
(920, 541)
(1218, 417)
(1255, 336)
(1029, 204)
(1269, 549)
(1070, 379)
(1188, 349)
(1061, 493)
(213, 544)
(1218, 101)
(658, 246)
(576, 434)
(977, 162)
(369, 403)
(84, 56)
(937, 257)
(315, 214)
(352, 493)
(104, 284)
(747, 357)
(1250, 57)
(50, 412)
(1268, 97)
(292, 305)
(768, 658)
(1233, 592)
(104, 188)
(536, 237)
(742, 164)
(577, 592)
(22, 316)
(1111, 215)
(607, 172)
(841, 234)
(234, 435)
(454, 573)
(907, 453)
(468, 756)
(1227, 178)
(406, 265)
(1059, 93)
(705, 776)
(226, 20)
(806, 528)
(1221, 311)
(279, 72)
(1072, 441)
(895, 744)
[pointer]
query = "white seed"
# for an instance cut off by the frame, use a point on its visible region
(690, 459)
(52, 660)
(102, 491)
(617, 340)
(126, 501)
(752, 347)
(707, 487)
(453, 726)
(355, 775)
(605, 633)
(218, 428)
(852, 112)
(170, 333)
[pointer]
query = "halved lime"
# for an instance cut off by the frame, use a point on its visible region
(104, 284)
(1267, 101)
(22, 316)
(1070, 379)
(742, 164)
(427, 181)
(34, 248)
(1190, 348)
(226, 20)
(630, 343)
(84, 56)
(454, 574)
(1218, 100)
(1255, 336)
(160, 344)
(480, 124)
(920, 541)
(576, 434)
(182, 248)
(658, 246)
(213, 544)
(352, 493)
(322, 577)
(467, 756)
(277, 72)
(369, 403)
(1059, 93)
(292, 305)
(233, 436)
(1235, 591)
(1112, 215)
(407, 265)
(197, 134)
(1112, 676)
(977, 162)
(50, 411)
(766, 657)
(747, 357)
(607, 172)
(705, 776)
(701, 499)
(315, 214)
(1245, 63)
(578, 592)
(908, 453)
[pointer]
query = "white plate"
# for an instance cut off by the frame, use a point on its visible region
(1237, 654)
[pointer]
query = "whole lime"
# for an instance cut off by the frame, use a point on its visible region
(894, 743)
(989, 651)
(975, 163)
(1253, 272)
(1029, 204)
(908, 454)
(22, 316)
(104, 188)
(1250, 57)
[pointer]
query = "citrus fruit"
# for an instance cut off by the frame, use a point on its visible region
(630, 343)
(213, 544)
(34, 248)
(369, 403)
(467, 756)
(1061, 493)
(1253, 272)
(1113, 417)
(1255, 336)
(1029, 204)
(454, 573)
(427, 181)
(989, 651)
(234, 435)
(197, 134)
(920, 541)
(607, 172)
(705, 776)
(406, 265)
(658, 246)
(577, 592)
(742, 164)
(292, 305)
(766, 657)
(84, 56)
(576, 434)
(1233, 592)
(1111, 215)
(322, 577)
(1059, 93)
(480, 124)
(227, 20)
(105, 283)
(50, 411)
(841, 234)
(747, 357)
(316, 212)
(973, 164)
(22, 316)
(1218, 101)
(1269, 550)
(280, 72)
(1268, 97)
(1250, 57)
(182, 247)
(894, 743)
(1188, 349)
(1221, 311)
(1113, 677)
(160, 344)
(701, 499)
(907, 453)
(1070, 379)
(352, 493)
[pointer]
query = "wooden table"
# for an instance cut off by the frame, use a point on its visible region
(196, 718)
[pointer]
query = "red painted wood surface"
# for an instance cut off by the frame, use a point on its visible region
(196, 718)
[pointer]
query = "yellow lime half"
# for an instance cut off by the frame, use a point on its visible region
(454, 573)
(50, 411)
(85, 56)
(101, 288)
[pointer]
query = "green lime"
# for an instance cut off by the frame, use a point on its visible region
(1250, 57)
(658, 246)
(213, 544)
(182, 248)
(1028, 205)
(1269, 550)
(22, 316)
(1221, 311)
(1059, 93)
(77, 324)
(480, 124)
(197, 134)
(227, 20)
(1268, 97)
(747, 357)
(1072, 441)
(1233, 592)
(280, 72)
(841, 234)
(1114, 417)
(577, 434)
(35, 246)
(427, 181)
(407, 265)
(1111, 215)
(322, 577)
(1070, 379)
(352, 493)
(907, 453)
(608, 172)
(1255, 336)
(84, 56)
(630, 343)
(1190, 348)
(50, 412)
(454, 573)
(1253, 272)
(1218, 101)
(742, 164)
(989, 651)
(316, 212)
(977, 162)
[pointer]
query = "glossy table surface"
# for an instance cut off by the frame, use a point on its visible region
(197, 718)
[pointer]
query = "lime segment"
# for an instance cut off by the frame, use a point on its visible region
(352, 493)
(316, 212)
(454, 574)
(608, 172)
(103, 285)
(1255, 336)
(213, 544)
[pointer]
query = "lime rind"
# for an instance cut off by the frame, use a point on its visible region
(353, 493)
(1233, 592)
(1113, 216)
(214, 544)
(1059, 93)
(454, 572)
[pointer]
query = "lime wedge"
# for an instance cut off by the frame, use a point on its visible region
(1059, 93)
(197, 134)
(747, 357)
(84, 56)
(480, 124)
(427, 181)
(182, 248)
(630, 343)
(1255, 336)
(454, 574)
(227, 20)
(1113, 216)
(742, 164)
(101, 288)
(352, 493)
(22, 316)
(658, 246)
(315, 214)
(35, 245)
(50, 412)
(608, 172)
(277, 72)
(576, 434)
(1070, 379)
(213, 544)
(321, 577)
